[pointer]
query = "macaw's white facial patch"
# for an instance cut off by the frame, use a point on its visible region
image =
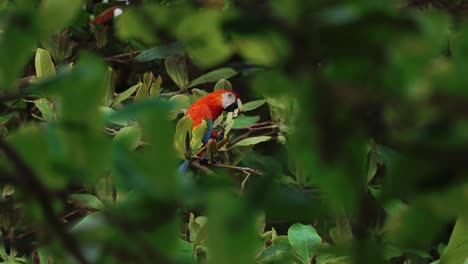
(117, 12)
(228, 99)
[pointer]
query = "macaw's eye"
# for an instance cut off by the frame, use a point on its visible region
(230, 95)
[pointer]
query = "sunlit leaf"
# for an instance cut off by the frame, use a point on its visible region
(251, 141)
(87, 200)
(243, 121)
(252, 105)
(177, 70)
(214, 76)
(44, 65)
(129, 137)
(304, 239)
(161, 52)
(125, 95)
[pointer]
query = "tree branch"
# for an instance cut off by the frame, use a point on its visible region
(245, 170)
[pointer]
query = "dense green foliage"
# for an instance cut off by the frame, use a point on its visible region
(352, 146)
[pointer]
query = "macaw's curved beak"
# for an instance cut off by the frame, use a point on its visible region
(236, 105)
(239, 105)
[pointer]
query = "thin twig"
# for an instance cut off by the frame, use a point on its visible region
(38, 189)
(245, 170)
(243, 183)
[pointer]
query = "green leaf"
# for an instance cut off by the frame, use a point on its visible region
(178, 102)
(111, 78)
(57, 14)
(5, 118)
(279, 252)
(44, 65)
(205, 42)
(183, 128)
(87, 200)
(223, 84)
(213, 76)
(91, 222)
(184, 253)
(304, 239)
(252, 105)
(111, 116)
(196, 142)
(177, 70)
(457, 248)
(45, 106)
(197, 93)
(243, 121)
(251, 141)
(125, 95)
(161, 52)
(59, 46)
(129, 137)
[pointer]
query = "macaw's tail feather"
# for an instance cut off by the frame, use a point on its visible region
(183, 167)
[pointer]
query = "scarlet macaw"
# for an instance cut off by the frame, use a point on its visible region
(209, 108)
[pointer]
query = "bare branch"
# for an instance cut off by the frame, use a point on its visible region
(196, 164)
(245, 170)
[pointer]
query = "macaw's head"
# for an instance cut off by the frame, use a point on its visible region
(230, 100)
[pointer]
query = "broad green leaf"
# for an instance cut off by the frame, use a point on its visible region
(59, 46)
(251, 141)
(263, 49)
(197, 137)
(129, 137)
(5, 118)
(197, 93)
(111, 116)
(177, 70)
(161, 52)
(213, 76)
(124, 95)
(87, 200)
(205, 43)
(155, 89)
(184, 253)
(45, 106)
(183, 129)
(178, 102)
(44, 65)
(304, 239)
(17, 42)
(243, 121)
(457, 248)
(90, 223)
(252, 105)
(232, 232)
(279, 252)
(57, 14)
(223, 84)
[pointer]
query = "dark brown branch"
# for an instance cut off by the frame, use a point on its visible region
(34, 186)
(196, 164)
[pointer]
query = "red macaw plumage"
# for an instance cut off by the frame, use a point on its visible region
(107, 15)
(210, 107)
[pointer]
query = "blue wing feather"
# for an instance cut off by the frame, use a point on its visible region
(209, 129)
